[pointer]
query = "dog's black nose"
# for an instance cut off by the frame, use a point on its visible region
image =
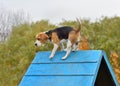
(35, 44)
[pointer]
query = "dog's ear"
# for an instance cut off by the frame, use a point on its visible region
(45, 36)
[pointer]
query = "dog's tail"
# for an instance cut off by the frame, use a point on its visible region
(79, 25)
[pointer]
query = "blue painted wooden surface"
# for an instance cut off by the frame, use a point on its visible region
(79, 69)
(57, 81)
(79, 56)
(62, 69)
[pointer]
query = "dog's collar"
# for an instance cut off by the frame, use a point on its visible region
(49, 33)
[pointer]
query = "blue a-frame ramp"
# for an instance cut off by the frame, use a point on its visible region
(81, 68)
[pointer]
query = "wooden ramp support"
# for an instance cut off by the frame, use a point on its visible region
(81, 68)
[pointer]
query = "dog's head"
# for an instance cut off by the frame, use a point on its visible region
(41, 39)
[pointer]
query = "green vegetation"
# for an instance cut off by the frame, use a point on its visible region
(18, 51)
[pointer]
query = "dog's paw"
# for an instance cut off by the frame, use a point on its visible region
(65, 49)
(51, 57)
(63, 58)
(74, 50)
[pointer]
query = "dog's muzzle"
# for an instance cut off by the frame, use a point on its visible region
(35, 44)
(38, 43)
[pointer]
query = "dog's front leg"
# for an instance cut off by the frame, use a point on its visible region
(53, 51)
(69, 47)
(62, 46)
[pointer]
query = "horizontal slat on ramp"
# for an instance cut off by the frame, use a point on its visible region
(77, 56)
(57, 81)
(62, 69)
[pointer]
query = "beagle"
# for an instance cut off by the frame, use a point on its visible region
(58, 36)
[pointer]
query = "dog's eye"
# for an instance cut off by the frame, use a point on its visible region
(38, 39)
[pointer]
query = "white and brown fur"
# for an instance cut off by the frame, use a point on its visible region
(58, 36)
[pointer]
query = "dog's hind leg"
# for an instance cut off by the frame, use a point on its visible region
(62, 44)
(75, 47)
